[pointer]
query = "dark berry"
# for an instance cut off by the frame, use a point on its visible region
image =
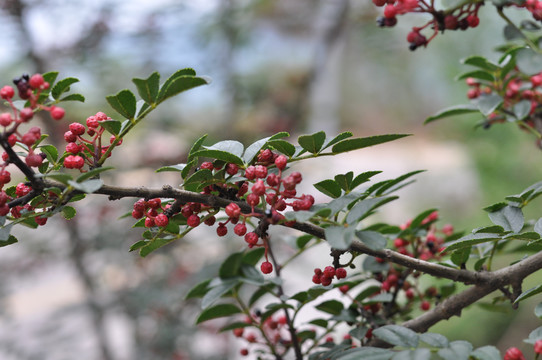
(193, 220)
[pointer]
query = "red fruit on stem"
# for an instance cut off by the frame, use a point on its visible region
(193, 220)
(57, 112)
(266, 267)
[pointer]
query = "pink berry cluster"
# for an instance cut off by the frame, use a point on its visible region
(149, 209)
(461, 18)
(326, 276)
(81, 150)
(274, 328)
(516, 87)
(266, 191)
(514, 353)
(29, 88)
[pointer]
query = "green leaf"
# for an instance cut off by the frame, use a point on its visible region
(68, 212)
(538, 311)
(529, 61)
(528, 293)
(366, 353)
(363, 177)
(260, 292)
(199, 290)
(397, 335)
(62, 86)
(253, 256)
(88, 186)
(329, 187)
(458, 350)
(195, 147)
(360, 143)
(332, 307)
(283, 146)
(231, 266)
(372, 239)
(178, 85)
(303, 240)
(364, 207)
(235, 325)
(391, 184)
(370, 289)
(92, 173)
(417, 221)
(461, 256)
(336, 139)
(200, 176)
(534, 336)
(251, 276)
(481, 62)
(312, 143)
(124, 102)
(488, 103)
(477, 74)
(215, 292)
(60, 177)
(220, 155)
(470, 240)
(452, 111)
(416, 354)
(178, 167)
(218, 311)
(148, 88)
(175, 75)
(434, 340)
(345, 180)
(51, 152)
(9, 241)
(509, 217)
(73, 97)
(50, 77)
(487, 353)
(154, 245)
(522, 109)
(112, 126)
(340, 237)
(370, 264)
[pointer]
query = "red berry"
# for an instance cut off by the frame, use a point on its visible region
(260, 171)
(7, 92)
(154, 203)
(265, 156)
(36, 81)
(210, 221)
(240, 229)
(253, 199)
(340, 273)
(4, 210)
(344, 289)
(92, 122)
(12, 140)
(78, 162)
(149, 222)
(5, 177)
(207, 165)
(238, 332)
(380, 2)
(57, 112)
(77, 129)
(316, 279)
(243, 352)
(26, 114)
(233, 210)
(70, 137)
(281, 162)
(513, 353)
(451, 22)
(538, 347)
(473, 20)
(250, 172)
(33, 160)
(40, 220)
(221, 230)
(5, 119)
(325, 280)
(161, 220)
(232, 169)
(251, 238)
(73, 148)
(390, 11)
(266, 267)
(409, 294)
(329, 271)
(21, 189)
(193, 220)
(137, 214)
(425, 305)
(258, 188)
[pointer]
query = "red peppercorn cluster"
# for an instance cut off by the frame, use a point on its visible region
(326, 276)
(274, 328)
(460, 18)
(265, 189)
(150, 210)
(81, 150)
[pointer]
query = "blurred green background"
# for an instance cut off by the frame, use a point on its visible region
(297, 66)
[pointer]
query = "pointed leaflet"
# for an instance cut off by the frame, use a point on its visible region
(452, 111)
(458, 350)
(359, 143)
(215, 292)
(312, 143)
(195, 147)
(364, 207)
(528, 293)
(88, 186)
(529, 61)
(397, 335)
(329, 188)
(488, 103)
(124, 102)
(363, 177)
(175, 75)
(148, 88)
(487, 353)
(73, 97)
(62, 86)
(178, 85)
(255, 147)
(283, 146)
(477, 74)
(509, 217)
(218, 311)
(199, 290)
(332, 307)
(113, 126)
(470, 240)
(481, 62)
(339, 237)
(372, 239)
(345, 180)
(228, 151)
(336, 139)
